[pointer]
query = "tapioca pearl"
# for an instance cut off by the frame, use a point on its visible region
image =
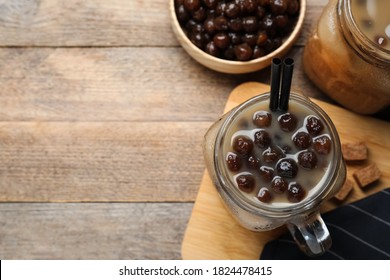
(253, 162)
(278, 7)
(267, 173)
(182, 14)
(245, 182)
(287, 122)
(302, 140)
(235, 25)
(250, 24)
(272, 155)
(307, 159)
(191, 5)
(221, 40)
(262, 139)
(212, 49)
(293, 7)
(232, 9)
(221, 23)
(322, 144)
(287, 168)
(211, 3)
(279, 185)
(243, 145)
(295, 192)
(199, 15)
(264, 195)
(233, 161)
(243, 52)
(262, 119)
(314, 125)
(248, 6)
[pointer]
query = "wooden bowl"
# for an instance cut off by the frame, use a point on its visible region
(229, 66)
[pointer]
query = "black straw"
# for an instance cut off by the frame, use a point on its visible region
(275, 83)
(288, 67)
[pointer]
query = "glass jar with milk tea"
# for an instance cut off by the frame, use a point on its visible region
(274, 168)
(348, 54)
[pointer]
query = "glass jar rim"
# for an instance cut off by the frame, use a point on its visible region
(295, 208)
(366, 48)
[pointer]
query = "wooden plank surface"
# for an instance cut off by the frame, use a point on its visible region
(92, 230)
(86, 88)
(100, 161)
(117, 84)
(107, 23)
(212, 233)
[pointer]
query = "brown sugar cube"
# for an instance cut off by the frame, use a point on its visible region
(354, 151)
(345, 190)
(367, 175)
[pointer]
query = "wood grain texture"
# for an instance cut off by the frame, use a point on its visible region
(116, 84)
(109, 161)
(98, 23)
(212, 233)
(92, 230)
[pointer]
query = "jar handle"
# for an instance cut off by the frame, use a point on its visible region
(311, 235)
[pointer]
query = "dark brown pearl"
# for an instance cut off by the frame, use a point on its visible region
(287, 122)
(209, 25)
(307, 159)
(267, 173)
(233, 161)
(221, 40)
(211, 49)
(287, 168)
(250, 24)
(232, 10)
(182, 14)
(264, 195)
(261, 38)
(242, 145)
(198, 39)
(278, 7)
(253, 162)
(322, 145)
(249, 38)
(314, 125)
(211, 3)
(295, 192)
(245, 182)
(258, 52)
(221, 23)
(235, 24)
(279, 185)
(243, 52)
(191, 5)
(262, 119)
(302, 140)
(262, 139)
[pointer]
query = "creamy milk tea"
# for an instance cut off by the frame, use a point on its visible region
(277, 158)
(272, 168)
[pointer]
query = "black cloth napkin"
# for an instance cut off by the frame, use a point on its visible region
(359, 231)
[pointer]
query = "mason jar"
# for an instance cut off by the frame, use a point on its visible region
(348, 54)
(302, 217)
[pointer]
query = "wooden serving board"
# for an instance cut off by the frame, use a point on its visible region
(212, 233)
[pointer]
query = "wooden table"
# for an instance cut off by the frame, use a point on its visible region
(102, 116)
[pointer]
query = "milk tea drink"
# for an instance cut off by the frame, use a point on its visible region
(348, 54)
(278, 159)
(274, 168)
